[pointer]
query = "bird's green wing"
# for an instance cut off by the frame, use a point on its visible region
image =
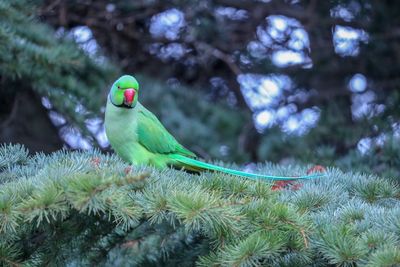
(155, 138)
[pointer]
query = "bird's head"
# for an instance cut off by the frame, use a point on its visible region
(124, 92)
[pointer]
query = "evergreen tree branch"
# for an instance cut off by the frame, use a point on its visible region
(86, 208)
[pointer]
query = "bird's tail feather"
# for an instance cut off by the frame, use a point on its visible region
(196, 165)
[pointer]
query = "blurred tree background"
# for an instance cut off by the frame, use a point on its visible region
(244, 81)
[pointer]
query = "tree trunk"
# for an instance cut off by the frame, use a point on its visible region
(28, 123)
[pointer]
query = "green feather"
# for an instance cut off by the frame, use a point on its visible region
(138, 137)
(153, 135)
(199, 165)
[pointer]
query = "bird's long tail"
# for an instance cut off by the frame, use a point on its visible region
(197, 165)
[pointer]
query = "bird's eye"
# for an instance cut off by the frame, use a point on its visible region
(119, 87)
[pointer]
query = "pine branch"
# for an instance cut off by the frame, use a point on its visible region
(88, 208)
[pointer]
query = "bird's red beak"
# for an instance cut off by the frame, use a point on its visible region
(129, 95)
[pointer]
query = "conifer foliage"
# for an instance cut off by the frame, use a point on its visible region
(85, 208)
(34, 57)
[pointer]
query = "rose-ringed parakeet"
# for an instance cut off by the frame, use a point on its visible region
(139, 138)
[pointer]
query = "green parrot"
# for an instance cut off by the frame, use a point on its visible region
(139, 138)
